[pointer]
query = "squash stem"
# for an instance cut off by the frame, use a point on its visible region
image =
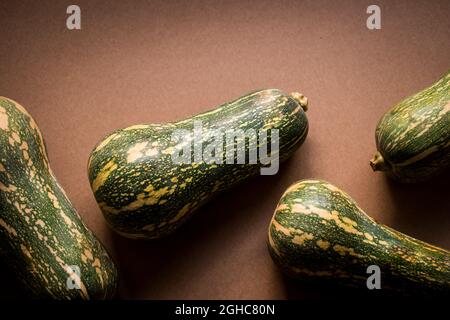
(301, 99)
(377, 162)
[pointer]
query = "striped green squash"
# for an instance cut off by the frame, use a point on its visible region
(319, 233)
(143, 193)
(42, 238)
(413, 138)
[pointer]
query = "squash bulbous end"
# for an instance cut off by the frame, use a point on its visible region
(377, 162)
(301, 99)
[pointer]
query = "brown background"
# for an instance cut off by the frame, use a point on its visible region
(157, 61)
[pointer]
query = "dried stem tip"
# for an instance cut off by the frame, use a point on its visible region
(377, 163)
(301, 99)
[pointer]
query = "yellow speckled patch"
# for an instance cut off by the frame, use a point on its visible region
(7, 227)
(368, 236)
(282, 207)
(10, 188)
(346, 224)
(181, 213)
(280, 228)
(3, 119)
(103, 175)
(149, 197)
(300, 239)
(323, 244)
(344, 250)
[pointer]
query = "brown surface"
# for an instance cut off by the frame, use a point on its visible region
(161, 61)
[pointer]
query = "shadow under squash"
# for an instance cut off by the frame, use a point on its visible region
(309, 290)
(10, 288)
(422, 210)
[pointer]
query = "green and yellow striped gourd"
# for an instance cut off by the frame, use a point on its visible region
(42, 238)
(144, 194)
(413, 138)
(319, 233)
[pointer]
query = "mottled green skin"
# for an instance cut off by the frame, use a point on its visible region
(150, 196)
(319, 233)
(41, 234)
(414, 136)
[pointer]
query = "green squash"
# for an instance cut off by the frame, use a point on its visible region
(143, 193)
(319, 233)
(413, 138)
(42, 238)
